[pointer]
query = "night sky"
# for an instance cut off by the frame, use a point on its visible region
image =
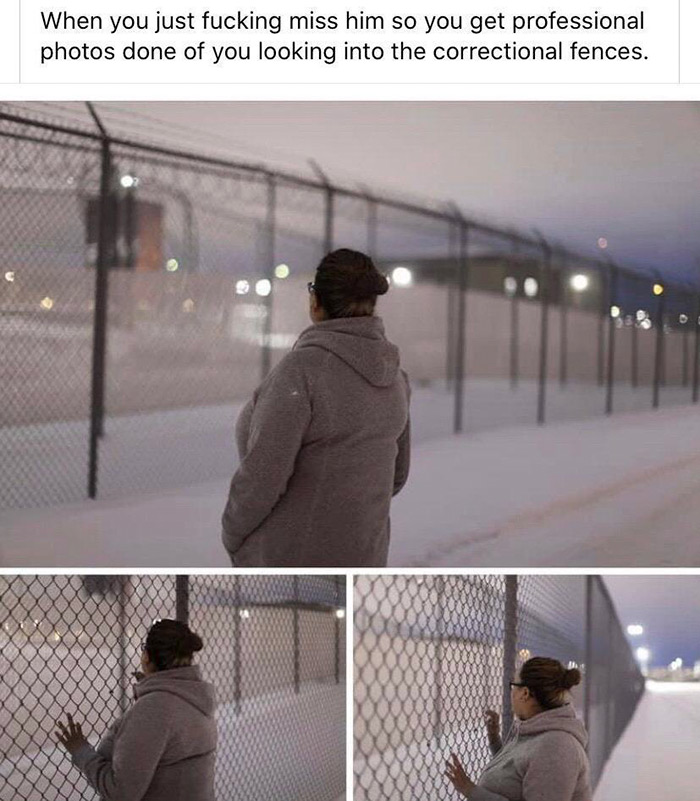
(669, 609)
(627, 171)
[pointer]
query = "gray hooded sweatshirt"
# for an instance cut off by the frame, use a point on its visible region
(324, 444)
(543, 760)
(163, 748)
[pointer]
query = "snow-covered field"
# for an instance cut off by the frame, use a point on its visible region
(601, 491)
(656, 758)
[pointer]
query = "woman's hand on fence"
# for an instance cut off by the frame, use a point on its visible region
(493, 724)
(71, 737)
(458, 776)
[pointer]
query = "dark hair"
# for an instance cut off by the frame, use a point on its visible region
(548, 680)
(171, 644)
(347, 284)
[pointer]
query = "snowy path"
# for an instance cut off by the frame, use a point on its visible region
(600, 492)
(657, 755)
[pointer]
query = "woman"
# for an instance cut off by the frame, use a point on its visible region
(163, 748)
(544, 758)
(324, 443)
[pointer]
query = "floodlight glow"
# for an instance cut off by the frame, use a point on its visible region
(244, 614)
(580, 282)
(402, 276)
(530, 287)
(128, 181)
(646, 324)
(282, 271)
(635, 629)
(172, 265)
(47, 303)
(682, 319)
(602, 243)
(242, 287)
(510, 285)
(643, 654)
(340, 613)
(263, 287)
(658, 289)
(615, 311)
(10, 276)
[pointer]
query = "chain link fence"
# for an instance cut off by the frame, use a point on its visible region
(274, 648)
(433, 653)
(144, 292)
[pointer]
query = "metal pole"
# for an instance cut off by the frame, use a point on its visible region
(515, 331)
(589, 653)
(602, 314)
(696, 356)
(182, 599)
(563, 326)
(270, 233)
(686, 357)
(330, 210)
(452, 297)
(544, 332)
(463, 278)
(510, 637)
(372, 227)
(237, 644)
(105, 260)
(612, 322)
(635, 354)
(337, 631)
(659, 353)
(296, 635)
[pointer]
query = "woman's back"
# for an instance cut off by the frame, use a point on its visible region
(334, 416)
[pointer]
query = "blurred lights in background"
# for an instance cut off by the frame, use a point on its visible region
(340, 613)
(128, 181)
(580, 282)
(530, 287)
(263, 287)
(171, 265)
(47, 303)
(510, 286)
(242, 287)
(402, 276)
(635, 629)
(10, 276)
(658, 289)
(615, 311)
(602, 243)
(282, 271)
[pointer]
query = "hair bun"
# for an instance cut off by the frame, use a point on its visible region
(371, 283)
(192, 642)
(571, 678)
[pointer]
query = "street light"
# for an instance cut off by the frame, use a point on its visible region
(658, 289)
(402, 276)
(635, 629)
(580, 282)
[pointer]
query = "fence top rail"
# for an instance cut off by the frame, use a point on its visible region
(450, 214)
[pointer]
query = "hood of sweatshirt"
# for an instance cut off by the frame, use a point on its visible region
(562, 718)
(185, 683)
(360, 342)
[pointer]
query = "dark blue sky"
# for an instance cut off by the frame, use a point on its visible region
(669, 609)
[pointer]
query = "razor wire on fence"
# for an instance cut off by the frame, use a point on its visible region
(274, 649)
(433, 653)
(145, 291)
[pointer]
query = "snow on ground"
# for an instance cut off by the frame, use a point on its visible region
(657, 755)
(612, 491)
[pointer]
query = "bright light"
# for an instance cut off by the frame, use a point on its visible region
(510, 285)
(340, 613)
(682, 319)
(244, 614)
(615, 311)
(643, 654)
(580, 282)
(263, 287)
(242, 287)
(188, 305)
(602, 243)
(646, 324)
(282, 271)
(10, 276)
(172, 265)
(530, 287)
(658, 289)
(524, 654)
(401, 276)
(47, 303)
(677, 664)
(128, 181)
(641, 315)
(635, 629)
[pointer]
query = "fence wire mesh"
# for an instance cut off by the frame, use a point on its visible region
(145, 292)
(274, 649)
(433, 653)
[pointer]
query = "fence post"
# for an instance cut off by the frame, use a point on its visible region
(295, 623)
(268, 301)
(123, 644)
(237, 645)
(602, 314)
(659, 352)
(105, 260)
(563, 326)
(544, 331)
(371, 226)
(510, 636)
(337, 630)
(450, 349)
(182, 599)
(588, 654)
(463, 283)
(634, 377)
(696, 357)
(515, 330)
(612, 322)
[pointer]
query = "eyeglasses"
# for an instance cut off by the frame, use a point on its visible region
(311, 287)
(516, 684)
